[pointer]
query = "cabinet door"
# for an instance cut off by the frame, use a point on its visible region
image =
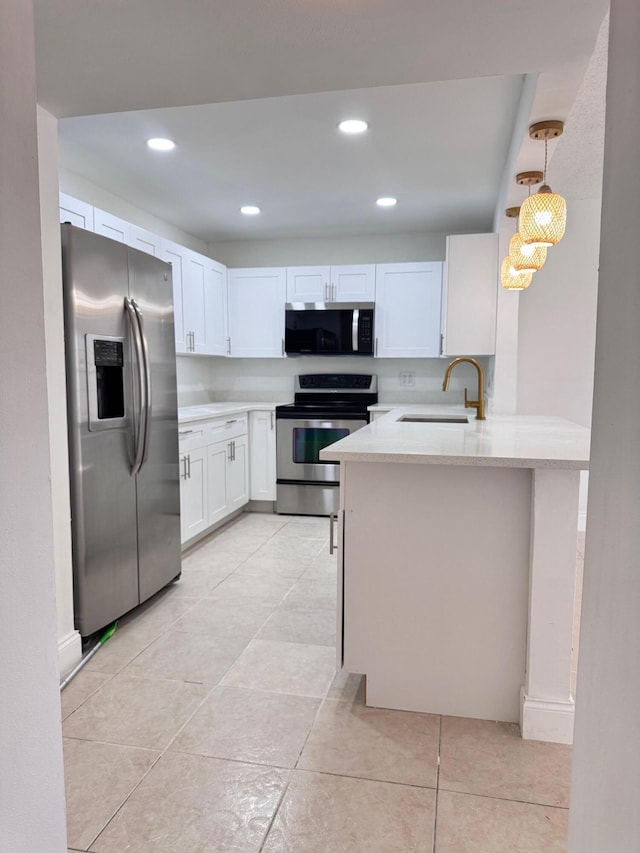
(238, 474)
(193, 493)
(176, 256)
(110, 226)
(308, 284)
(218, 455)
(262, 456)
(256, 312)
(408, 308)
(470, 295)
(197, 304)
(146, 241)
(216, 283)
(77, 212)
(353, 283)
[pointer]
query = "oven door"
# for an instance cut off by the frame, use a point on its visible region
(300, 440)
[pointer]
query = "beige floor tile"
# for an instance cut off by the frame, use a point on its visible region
(491, 759)
(183, 656)
(236, 544)
(225, 618)
(196, 582)
(306, 529)
(120, 649)
(98, 778)
(317, 627)
(135, 711)
(274, 667)
(332, 814)
(372, 743)
(246, 588)
(84, 684)
(205, 559)
(312, 595)
(272, 567)
(322, 568)
(249, 725)
(468, 824)
(291, 548)
(158, 615)
(348, 687)
(258, 522)
(192, 804)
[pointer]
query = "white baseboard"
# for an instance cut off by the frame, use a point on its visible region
(546, 719)
(69, 651)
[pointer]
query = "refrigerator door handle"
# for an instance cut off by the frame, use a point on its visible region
(147, 383)
(140, 425)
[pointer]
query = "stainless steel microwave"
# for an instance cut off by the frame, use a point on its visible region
(329, 328)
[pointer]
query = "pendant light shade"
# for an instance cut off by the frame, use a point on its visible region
(526, 257)
(543, 218)
(512, 279)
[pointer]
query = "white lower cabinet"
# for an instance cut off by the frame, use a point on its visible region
(193, 493)
(262, 453)
(214, 472)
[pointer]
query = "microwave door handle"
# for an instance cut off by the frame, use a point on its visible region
(355, 328)
(147, 384)
(139, 420)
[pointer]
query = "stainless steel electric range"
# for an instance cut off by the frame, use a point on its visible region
(326, 408)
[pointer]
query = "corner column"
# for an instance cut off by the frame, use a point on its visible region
(547, 706)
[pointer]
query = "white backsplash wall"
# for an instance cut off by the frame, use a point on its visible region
(205, 379)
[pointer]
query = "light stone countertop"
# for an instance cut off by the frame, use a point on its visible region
(214, 410)
(511, 441)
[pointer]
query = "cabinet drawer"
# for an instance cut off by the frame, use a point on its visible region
(223, 428)
(192, 436)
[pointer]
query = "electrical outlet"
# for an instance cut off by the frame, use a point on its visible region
(407, 378)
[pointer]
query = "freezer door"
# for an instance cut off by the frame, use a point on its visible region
(101, 422)
(158, 484)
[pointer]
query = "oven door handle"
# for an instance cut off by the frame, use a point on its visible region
(355, 328)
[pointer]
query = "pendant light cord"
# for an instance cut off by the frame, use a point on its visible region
(544, 179)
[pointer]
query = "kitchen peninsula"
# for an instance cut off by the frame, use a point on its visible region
(457, 563)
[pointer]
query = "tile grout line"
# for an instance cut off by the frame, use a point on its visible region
(435, 809)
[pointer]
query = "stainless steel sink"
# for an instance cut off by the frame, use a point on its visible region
(434, 419)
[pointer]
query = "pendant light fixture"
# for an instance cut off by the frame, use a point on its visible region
(543, 216)
(510, 277)
(526, 257)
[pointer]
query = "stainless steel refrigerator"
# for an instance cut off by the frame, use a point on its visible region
(123, 425)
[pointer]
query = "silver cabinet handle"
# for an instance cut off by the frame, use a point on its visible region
(228, 346)
(232, 421)
(332, 520)
(271, 420)
(282, 339)
(189, 465)
(188, 341)
(185, 431)
(333, 293)
(185, 475)
(441, 344)
(229, 451)
(233, 451)
(326, 292)
(375, 352)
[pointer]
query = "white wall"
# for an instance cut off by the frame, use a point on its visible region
(376, 249)
(84, 189)
(203, 379)
(557, 323)
(69, 642)
(604, 814)
(32, 787)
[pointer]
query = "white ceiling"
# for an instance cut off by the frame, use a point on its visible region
(274, 76)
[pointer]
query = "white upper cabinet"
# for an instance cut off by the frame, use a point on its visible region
(408, 309)
(308, 284)
(146, 241)
(349, 283)
(470, 295)
(353, 283)
(176, 256)
(256, 312)
(111, 226)
(216, 283)
(197, 304)
(77, 212)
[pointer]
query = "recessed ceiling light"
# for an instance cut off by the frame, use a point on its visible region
(159, 144)
(250, 210)
(353, 125)
(387, 201)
